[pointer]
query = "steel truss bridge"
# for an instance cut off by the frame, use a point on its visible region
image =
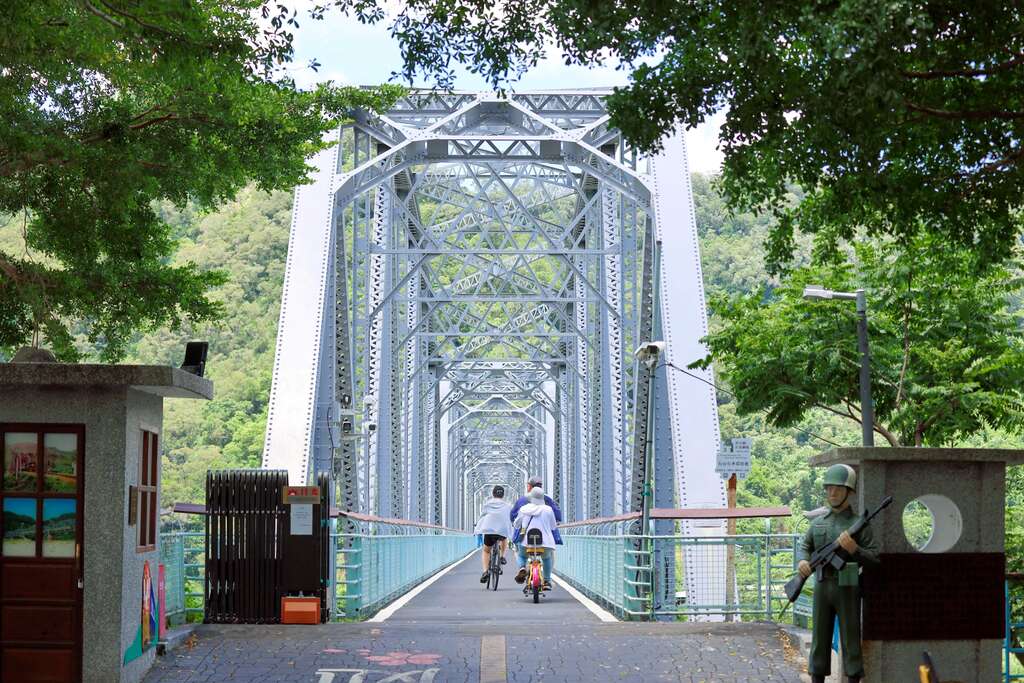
(468, 277)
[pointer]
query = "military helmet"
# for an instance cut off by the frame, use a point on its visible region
(841, 475)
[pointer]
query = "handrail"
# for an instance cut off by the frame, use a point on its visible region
(689, 513)
(200, 509)
(361, 517)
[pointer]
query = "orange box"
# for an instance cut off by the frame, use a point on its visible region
(300, 610)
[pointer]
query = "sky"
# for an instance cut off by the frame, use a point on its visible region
(351, 53)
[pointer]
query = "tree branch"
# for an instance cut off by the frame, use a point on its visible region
(922, 427)
(888, 436)
(965, 114)
(9, 269)
(906, 341)
(965, 73)
(152, 27)
(93, 9)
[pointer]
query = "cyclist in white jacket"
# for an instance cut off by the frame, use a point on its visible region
(495, 526)
(537, 514)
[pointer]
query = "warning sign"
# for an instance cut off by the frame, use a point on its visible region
(300, 494)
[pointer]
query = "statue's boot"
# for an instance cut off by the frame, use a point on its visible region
(817, 679)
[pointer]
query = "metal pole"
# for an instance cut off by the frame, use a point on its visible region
(867, 408)
(645, 517)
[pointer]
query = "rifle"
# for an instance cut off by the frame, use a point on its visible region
(831, 555)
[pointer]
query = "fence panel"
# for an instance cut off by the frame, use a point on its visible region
(183, 555)
(374, 568)
(1012, 646)
(615, 569)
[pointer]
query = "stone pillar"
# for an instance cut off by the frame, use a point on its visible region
(946, 597)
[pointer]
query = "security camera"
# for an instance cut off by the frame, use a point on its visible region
(346, 426)
(371, 426)
(649, 352)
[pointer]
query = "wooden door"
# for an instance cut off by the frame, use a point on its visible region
(41, 552)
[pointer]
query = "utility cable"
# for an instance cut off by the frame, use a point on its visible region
(726, 391)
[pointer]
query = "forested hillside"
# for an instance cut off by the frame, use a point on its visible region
(248, 239)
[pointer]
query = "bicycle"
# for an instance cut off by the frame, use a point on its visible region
(494, 567)
(534, 552)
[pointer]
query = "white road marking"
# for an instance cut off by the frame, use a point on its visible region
(492, 660)
(401, 602)
(600, 613)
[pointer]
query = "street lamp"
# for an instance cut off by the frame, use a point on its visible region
(867, 408)
(649, 353)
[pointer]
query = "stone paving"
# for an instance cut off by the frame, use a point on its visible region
(439, 636)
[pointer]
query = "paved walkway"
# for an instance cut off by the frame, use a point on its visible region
(455, 631)
(459, 597)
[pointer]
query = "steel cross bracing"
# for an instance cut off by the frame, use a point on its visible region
(468, 276)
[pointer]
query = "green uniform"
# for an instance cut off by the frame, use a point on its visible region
(838, 593)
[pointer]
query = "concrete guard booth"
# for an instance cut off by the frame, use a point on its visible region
(80, 496)
(946, 597)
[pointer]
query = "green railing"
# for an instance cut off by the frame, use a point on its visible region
(615, 567)
(1012, 669)
(374, 568)
(183, 554)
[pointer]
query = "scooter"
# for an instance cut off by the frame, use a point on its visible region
(534, 584)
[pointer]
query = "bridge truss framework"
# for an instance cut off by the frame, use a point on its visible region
(467, 278)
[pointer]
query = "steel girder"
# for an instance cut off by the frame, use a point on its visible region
(485, 266)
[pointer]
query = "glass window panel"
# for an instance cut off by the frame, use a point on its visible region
(154, 459)
(19, 527)
(60, 515)
(152, 518)
(20, 461)
(60, 458)
(143, 518)
(144, 460)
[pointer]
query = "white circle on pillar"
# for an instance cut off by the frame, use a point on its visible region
(942, 528)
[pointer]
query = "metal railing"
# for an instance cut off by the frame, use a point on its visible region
(377, 559)
(374, 565)
(617, 568)
(1012, 670)
(183, 554)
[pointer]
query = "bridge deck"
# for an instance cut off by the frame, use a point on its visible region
(455, 631)
(459, 597)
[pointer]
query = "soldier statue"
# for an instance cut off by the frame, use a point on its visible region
(837, 593)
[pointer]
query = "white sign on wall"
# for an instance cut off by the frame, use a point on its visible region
(735, 459)
(302, 519)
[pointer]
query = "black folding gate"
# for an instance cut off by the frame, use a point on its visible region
(252, 560)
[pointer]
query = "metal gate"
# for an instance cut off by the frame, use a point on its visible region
(252, 560)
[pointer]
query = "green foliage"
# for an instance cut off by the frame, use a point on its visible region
(109, 106)
(247, 237)
(947, 355)
(899, 117)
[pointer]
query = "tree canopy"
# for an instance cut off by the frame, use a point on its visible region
(106, 107)
(897, 117)
(947, 353)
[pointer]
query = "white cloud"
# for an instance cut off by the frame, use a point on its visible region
(701, 143)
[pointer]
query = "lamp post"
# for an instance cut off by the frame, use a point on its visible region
(867, 408)
(649, 353)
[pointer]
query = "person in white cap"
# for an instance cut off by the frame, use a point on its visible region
(537, 514)
(523, 500)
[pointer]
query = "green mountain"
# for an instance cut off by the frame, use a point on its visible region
(248, 238)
